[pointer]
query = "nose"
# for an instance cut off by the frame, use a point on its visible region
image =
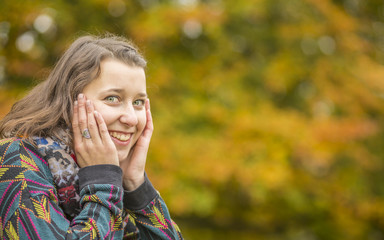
(128, 116)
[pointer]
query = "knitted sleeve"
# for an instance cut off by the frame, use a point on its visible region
(29, 206)
(147, 215)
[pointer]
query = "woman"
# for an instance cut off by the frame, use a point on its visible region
(74, 149)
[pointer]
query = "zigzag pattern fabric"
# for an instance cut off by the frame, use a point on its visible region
(29, 207)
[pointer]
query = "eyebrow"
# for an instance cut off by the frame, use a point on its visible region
(119, 90)
(143, 95)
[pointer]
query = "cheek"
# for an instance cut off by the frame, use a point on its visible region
(105, 113)
(142, 120)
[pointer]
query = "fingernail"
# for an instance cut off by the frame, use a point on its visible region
(96, 113)
(81, 96)
(88, 103)
(75, 103)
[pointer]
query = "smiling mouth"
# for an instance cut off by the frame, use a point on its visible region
(120, 136)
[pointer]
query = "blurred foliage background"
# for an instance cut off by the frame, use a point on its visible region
(268, 113)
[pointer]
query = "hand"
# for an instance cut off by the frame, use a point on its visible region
(99, 148)
(133, 167)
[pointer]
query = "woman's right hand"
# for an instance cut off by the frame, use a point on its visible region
(99, 148)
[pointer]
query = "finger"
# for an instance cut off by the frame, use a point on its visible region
(83, 123)
(92, 125)
(75, 123)
(103, 130)
(145, 138)
(149, 124)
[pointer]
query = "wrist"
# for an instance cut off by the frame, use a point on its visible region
(141, 197)
(132, 184)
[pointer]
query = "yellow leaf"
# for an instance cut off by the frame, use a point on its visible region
(116, 222)
(176, 226)
(131, 218)
(2, 171)
(21, 175)
(11, 233)
(157, 218)
(6, 140)
(1, 227)
(42, 210)
(28, 163)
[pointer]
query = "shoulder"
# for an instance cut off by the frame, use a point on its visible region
(13, 144)
(25, 181)
(18, 152)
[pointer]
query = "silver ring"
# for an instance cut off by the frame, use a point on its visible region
(86, 134)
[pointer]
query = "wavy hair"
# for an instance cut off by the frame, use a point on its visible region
(47, 109)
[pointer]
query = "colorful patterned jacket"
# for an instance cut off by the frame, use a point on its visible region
(29, 207)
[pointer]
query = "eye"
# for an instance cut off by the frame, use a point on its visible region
(112, 99)
(139, 102)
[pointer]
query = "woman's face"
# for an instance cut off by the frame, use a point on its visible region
(119, 95)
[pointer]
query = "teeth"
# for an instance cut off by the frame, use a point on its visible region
(120, 136)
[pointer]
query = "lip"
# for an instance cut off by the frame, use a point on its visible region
(119, 137)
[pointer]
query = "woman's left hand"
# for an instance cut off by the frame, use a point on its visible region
(134, 166)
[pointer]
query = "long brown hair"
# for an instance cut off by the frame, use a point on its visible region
(47, 109)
